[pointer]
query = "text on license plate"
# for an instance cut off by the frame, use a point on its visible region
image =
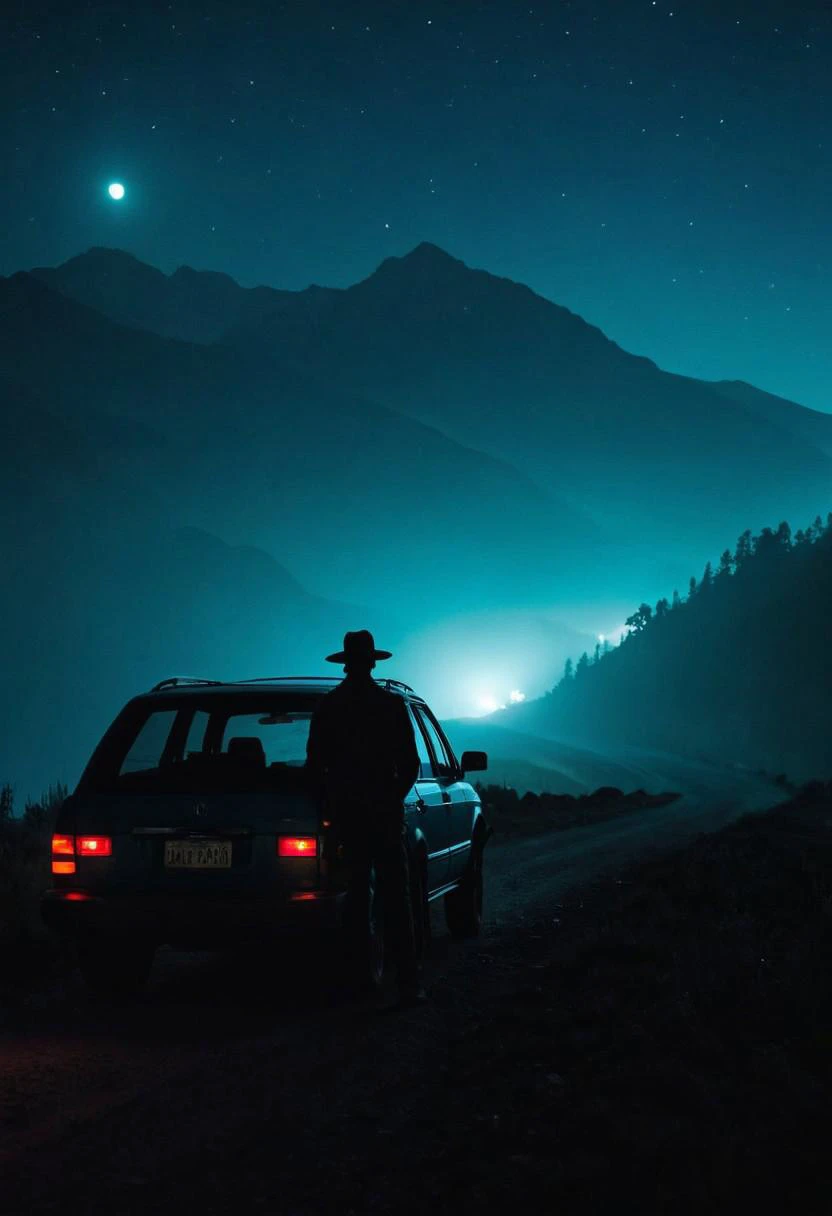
(198, 855)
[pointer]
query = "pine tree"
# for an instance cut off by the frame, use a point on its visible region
(639, 621)
(743, 550)
(784, 535)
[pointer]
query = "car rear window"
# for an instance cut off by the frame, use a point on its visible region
(209, 743)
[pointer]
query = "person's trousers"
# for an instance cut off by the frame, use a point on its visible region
(379, 846)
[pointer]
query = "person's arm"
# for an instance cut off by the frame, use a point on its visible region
(407, 757)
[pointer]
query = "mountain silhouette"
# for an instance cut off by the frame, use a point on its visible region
(811, 425)
(665, 457)
(266, 452)
(119, 439)
(194, 305)
(463, 457)
(669, 462)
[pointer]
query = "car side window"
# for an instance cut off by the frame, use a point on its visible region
(425, 764)
(148, 746)
(196, 732)
(444, 765)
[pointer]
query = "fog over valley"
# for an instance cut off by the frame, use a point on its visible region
(201, 478)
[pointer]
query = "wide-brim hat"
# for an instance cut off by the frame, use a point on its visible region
(358, 646)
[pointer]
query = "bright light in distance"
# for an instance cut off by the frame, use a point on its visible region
(489, 704)
(613, 636)
(115, 190)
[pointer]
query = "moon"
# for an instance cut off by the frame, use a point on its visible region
(115, 190)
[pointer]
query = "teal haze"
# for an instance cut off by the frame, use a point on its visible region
(201, 478)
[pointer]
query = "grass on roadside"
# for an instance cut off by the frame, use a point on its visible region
(672, 1049)
(28, 953)
(511, 815)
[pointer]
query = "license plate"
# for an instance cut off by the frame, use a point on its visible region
(198, 854)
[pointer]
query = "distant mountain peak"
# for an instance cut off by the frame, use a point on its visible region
(105, 255)
(426, 258)
(107, 251)
(426, 251)
(190, 275)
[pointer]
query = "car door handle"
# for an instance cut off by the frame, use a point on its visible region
(421, 805)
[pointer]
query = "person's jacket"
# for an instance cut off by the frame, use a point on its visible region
(361, 747)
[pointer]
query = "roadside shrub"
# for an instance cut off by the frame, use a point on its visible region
(26, 948)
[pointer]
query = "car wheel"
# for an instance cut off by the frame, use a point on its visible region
(363, 959)
(421, 907)
(463, 907)
(114, 966)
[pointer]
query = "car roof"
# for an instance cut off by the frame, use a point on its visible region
(305, 684)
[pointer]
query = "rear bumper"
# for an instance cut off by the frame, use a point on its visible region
(170, 919)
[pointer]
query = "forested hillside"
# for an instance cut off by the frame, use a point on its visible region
(739, 670)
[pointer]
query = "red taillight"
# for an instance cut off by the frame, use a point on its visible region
(94, 846)
(66, 848)
(297, 846)
(63, 846)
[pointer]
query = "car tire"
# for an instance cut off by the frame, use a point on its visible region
(463, 906)
(114, 967)
(363, 957)
(421, 907)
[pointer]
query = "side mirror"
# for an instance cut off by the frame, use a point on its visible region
(474, 762)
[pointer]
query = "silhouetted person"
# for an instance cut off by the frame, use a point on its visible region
(362, 757)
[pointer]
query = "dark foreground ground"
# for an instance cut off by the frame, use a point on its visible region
(654, 1041)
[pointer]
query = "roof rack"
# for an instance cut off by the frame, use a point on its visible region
(323, 679)
(175, 681)
(282, 679)
(388, 684)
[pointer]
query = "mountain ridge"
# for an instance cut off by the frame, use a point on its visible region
(484, 469)
(501, 369)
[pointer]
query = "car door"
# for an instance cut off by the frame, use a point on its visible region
(425, 806)
(457, 795)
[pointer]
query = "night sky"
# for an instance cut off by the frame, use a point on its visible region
(660, 167)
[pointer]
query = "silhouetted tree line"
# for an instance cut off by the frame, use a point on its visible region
(24, 872)
(739, 670)
(24, 837)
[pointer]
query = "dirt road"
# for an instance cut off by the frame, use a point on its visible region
(218, 1081)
